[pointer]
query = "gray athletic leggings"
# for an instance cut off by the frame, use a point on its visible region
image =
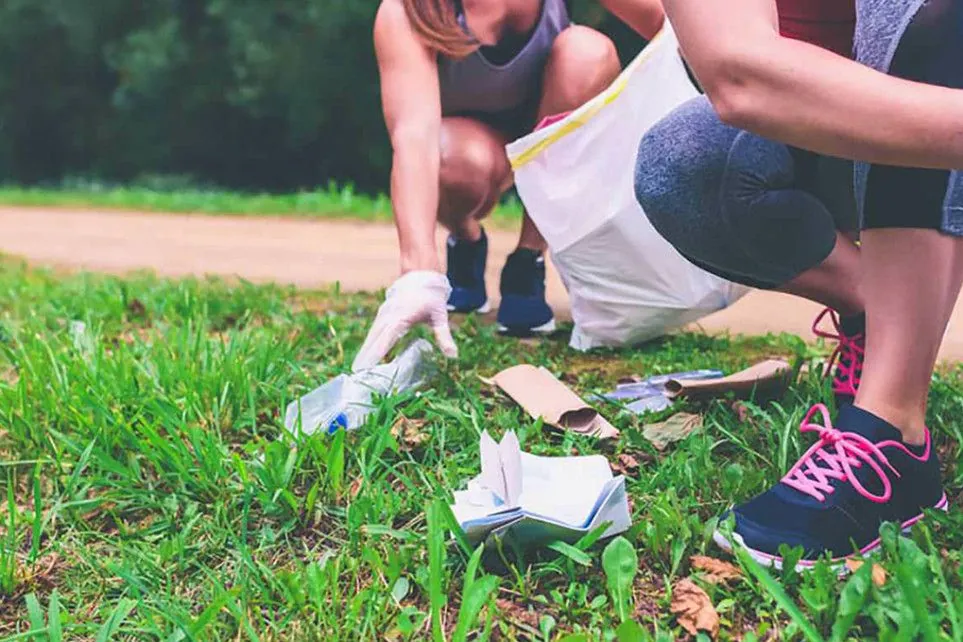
(745, 208)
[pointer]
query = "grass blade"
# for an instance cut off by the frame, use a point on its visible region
(576, 555)
(436, 562)
(474, 598)
(112, 625)
(34, 614)
(777, 593)
(54, 626)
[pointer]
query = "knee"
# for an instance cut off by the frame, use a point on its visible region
(582, 62)
(471, 165)
(678, 174)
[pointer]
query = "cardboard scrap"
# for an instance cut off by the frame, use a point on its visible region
(694, 609)
(543, 396)
(768, 377)
(675, 428)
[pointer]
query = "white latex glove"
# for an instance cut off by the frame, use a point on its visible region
(416, 297)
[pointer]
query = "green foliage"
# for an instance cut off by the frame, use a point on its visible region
(244, 94)
(149, 492)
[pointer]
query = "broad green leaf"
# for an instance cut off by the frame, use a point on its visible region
(620, 564)
(631, 631)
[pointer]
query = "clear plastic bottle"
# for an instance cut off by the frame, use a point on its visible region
(345, 401)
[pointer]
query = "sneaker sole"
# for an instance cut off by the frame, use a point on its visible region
(767, 560)
(485, 308)
(545, 328)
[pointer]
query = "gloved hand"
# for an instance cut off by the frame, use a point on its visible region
(416, 297)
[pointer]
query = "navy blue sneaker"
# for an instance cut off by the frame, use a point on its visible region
(836, 497)
(466, 274)
(523, 310)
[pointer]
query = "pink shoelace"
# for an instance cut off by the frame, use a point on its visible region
(847, 357)
(835, 456)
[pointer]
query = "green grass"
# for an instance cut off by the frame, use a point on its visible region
(332, 202)
(148, 492)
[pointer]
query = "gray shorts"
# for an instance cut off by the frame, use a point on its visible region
(920, 40)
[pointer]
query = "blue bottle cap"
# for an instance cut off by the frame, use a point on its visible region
(339, 422)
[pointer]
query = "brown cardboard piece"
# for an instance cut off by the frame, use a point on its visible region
(540, 394)
(765, 378)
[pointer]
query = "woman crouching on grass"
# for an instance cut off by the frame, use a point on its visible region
(728, 182)
(459, 80)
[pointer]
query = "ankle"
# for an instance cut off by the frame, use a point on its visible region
(469, 233)
(910, 422)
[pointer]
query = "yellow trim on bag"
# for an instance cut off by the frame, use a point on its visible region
(590, 110)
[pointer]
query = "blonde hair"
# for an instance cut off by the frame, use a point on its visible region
(437, 25)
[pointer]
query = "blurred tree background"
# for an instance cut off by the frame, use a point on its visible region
(241, 94)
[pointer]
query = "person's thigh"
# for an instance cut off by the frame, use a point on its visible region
(474, 168)
(730, 201)
(581, 64)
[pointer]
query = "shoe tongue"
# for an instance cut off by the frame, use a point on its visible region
(854, 325)
(862, 422)
(849, 419)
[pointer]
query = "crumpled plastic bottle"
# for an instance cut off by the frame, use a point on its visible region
(345, 401)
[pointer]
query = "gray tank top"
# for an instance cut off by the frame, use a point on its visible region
(474, 84)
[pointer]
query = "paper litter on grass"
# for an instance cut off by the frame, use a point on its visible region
(543, 396)
(649, 395)
(537, 499)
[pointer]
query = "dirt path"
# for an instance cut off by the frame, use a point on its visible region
(309, 254)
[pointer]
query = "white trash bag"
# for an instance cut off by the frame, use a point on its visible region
(575, 178)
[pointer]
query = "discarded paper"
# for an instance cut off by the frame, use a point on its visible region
(543, 396)
(539, 499)
(675, 428)
(694, 609)
(765, 378)
(648, 395)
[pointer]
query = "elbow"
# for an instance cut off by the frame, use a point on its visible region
(734, 104)
(736, 86)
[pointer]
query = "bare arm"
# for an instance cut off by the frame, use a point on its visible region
(644, 16)
(811, 98)
(412, 109)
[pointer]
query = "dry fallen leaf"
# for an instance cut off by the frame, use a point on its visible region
(694, 609)
(879, 573)
(409, 432)
(715, 571)
(675, 428)
(355, 487)
(517, 613)
(741, 410)
(626, 465)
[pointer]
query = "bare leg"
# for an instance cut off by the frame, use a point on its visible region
(911, 280)
(474, 173)
(834, 282)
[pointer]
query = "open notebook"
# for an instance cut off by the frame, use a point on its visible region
(539, 499)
